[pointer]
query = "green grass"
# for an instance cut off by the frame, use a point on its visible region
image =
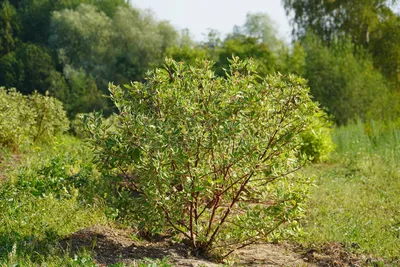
(357, 198)
(49, 192)
(45, 196)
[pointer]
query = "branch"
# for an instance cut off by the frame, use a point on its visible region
(172, 224)
(242, 187)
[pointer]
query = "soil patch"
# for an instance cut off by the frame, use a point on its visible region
(336, 255)
(111, 245)
(270, 255)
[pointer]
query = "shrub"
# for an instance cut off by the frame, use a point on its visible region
(317, 142)
(15, 116)
(210, 157)
(29, 118)
(49, 117)
(78, 127)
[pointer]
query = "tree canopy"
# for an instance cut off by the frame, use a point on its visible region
(349, 51)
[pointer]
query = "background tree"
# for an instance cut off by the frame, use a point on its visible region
(11, 71)
(246, 47)
(257, 39)
(84, 96)
(30, 68)
(358, 41)
(37, 66)
(110, 7)
(82, 39)
(291, 59)
(331, 19)
(386, 50)
(9, 28)
(347, 85)
(140, 44)
(261, 27)
(187, 50)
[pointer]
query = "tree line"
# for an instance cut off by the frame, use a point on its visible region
(349, 51)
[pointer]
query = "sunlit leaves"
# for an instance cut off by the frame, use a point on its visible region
(215, 153)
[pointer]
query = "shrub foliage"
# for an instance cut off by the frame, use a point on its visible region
(33, 118)
(210, 158)
(12, 115)
(317, 142)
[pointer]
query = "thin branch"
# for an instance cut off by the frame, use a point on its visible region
(254, 241)
(211, 221)
(242, 187)
(271, 179)
(172, 224)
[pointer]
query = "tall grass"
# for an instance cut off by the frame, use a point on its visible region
(357, 200)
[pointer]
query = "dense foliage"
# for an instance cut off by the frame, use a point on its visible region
(72, 49)
(370, 24)
(346, 84)
(210, 157)
(28, 119)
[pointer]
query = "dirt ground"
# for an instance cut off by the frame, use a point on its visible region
(111, 245)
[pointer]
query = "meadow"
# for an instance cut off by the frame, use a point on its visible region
(357, 193)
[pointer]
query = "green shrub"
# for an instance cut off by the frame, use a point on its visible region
(210, 157)
(317, 141)
(29, 118)
(50, 118)
(61, 176)
(78, 127)
(15, 116)
(50, 192)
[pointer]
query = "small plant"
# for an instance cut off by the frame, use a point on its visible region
(210, 158)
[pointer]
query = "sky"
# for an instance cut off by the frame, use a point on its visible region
(220, 15)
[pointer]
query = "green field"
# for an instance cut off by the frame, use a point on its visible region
(356, 200)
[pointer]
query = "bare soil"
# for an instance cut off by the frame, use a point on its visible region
(110, 245)
(335, 254)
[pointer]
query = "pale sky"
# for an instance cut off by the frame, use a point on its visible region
(221, 15)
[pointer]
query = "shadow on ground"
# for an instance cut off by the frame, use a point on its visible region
(110, 246)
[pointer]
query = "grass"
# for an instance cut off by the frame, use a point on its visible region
(357, 198)
(48, 192)
(43, 199)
